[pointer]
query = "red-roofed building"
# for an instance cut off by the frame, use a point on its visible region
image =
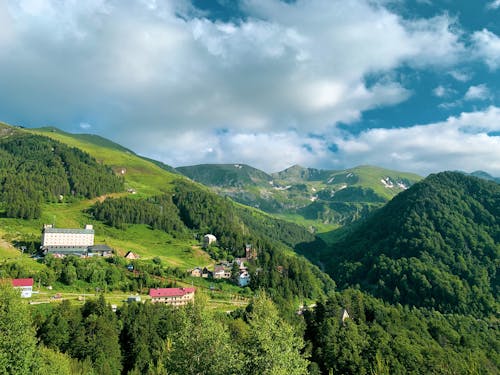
(172, 296)
(25, 285)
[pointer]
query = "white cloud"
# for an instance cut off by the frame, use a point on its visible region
(479, 92)
(460, 76)
(459, 143)
(297, 65)
(487, 47)
(494, 4)
(442, 92)
(161, 78)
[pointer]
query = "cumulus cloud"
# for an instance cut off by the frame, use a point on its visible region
(479, 92)
(163, 79)
(164, 66)
(463, 142)
(442, 91)
(487, 47)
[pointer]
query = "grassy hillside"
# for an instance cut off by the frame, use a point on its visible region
(141, 175)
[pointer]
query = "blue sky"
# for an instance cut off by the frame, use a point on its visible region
(412, 85)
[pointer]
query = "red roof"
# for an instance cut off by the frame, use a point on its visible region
(170, 292)
(22, 282)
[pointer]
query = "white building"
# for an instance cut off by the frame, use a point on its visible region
(64, 240)
(25, 286)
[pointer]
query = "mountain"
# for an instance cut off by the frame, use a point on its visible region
(436, 245)
(135, 204)
(309, 196)
(226, 175)
(484, 176)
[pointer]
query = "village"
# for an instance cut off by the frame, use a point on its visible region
(62, 242)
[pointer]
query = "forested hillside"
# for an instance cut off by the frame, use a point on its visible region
(194, 209)
(36, 169)
(435, 245)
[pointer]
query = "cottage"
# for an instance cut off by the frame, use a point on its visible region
(172, 296)
(25, 286)
(196, 272)
(131, 255)
(206, 273)
(244, 279)
(221, 272)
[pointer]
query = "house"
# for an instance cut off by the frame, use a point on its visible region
(209, 239)
(206, 273)
(196, 272)
(25, 286)
(221, 272)
(244, 278)
(131, 255)
(172, 296)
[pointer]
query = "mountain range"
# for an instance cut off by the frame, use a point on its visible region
(313, 197)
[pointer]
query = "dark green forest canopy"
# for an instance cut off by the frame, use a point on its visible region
(435, 245)
(35, 169)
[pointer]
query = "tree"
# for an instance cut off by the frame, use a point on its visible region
(273, 346)
(17, 335)
(202, 345)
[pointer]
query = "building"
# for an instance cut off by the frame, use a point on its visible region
(131, 299)
(67, 241)
(172, 296)
(221, 272)
(196, 272)
(244, 278)
(25, 286)
(209, 239)
(131, 255)
(99, 250)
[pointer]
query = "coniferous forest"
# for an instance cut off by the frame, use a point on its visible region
(35, 169)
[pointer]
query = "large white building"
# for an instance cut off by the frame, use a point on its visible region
(64, 240)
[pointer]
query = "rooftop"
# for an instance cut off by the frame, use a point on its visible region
(22, 282)
(170, 292)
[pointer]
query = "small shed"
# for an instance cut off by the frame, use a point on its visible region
(209, 239)
(131, 255)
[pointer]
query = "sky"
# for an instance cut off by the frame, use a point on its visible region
(411, 85)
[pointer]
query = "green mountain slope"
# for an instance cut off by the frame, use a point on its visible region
(435, 245)
(312, 197)
(226, 175)
(160, 215)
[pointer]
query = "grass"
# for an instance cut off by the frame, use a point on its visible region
(143, 176)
